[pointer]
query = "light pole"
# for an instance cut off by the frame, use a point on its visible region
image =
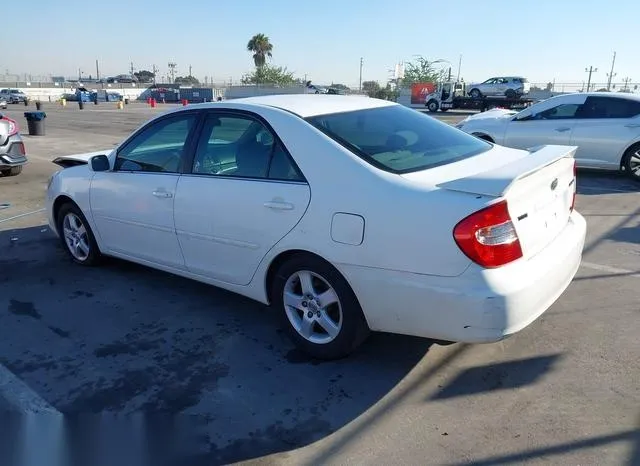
(590, 70)
(360, 82)
(611, 73)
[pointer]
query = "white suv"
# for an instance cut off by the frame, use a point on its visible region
(511, 87)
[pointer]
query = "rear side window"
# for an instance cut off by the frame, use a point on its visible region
(398, 139)
(611, 107)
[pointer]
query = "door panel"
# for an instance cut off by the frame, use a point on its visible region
(245, 195)
(530, 133)
(600, 141)
(226, 226)
(134, 215)
(132, 205)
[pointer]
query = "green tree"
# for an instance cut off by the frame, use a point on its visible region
(370, 88)
(144, 76)
(186, 80)
(268, 74)
(422, 70)
(261, 48)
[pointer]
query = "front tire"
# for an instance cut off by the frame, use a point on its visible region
(13, 171)
(475, 93)
(432, 106)
(320, 310)
(631, 162)
(76, 236)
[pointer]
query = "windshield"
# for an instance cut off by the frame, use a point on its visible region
(398, 139)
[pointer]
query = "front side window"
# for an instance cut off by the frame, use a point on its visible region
(398, 139)
(560, 112)
(158, 148)
(243, 147)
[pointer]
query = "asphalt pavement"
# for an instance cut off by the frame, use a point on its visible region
(128, 341)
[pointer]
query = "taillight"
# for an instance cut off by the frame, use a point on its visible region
(13, 126)
(575, 186)
(488, 237)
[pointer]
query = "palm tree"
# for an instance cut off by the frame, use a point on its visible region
(261, 48)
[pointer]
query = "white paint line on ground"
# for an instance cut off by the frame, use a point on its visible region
(20, 396)
(609, 269)
(604, 189)
(22, 215)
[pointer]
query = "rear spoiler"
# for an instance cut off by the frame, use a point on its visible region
(74, 160)
(496, 182)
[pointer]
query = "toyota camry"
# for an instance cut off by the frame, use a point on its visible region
(346, 214)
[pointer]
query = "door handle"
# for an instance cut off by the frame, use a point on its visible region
(563, 129)
(162, 194)
(278, 205)
(632, 125)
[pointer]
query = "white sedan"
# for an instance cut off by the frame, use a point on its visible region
(346, 214)
(604, 125)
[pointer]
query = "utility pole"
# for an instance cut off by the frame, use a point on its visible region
(360, 85)
(97, 71)
(590, 70)
(155, 70)
(172, 70)
(79, 74)
(459, 66)
(189, 70)
(611, 73)
(626, 82)
(132, 69)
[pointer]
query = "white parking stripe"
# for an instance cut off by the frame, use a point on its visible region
(609, 269)
(19, 396)
(22, 215)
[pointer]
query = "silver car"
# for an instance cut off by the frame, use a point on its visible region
(511, 87)
(12, 151)
(13, 96)
(604, 125)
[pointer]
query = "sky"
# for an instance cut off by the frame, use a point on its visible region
(542, 40)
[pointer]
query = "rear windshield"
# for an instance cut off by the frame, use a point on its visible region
(398, 139)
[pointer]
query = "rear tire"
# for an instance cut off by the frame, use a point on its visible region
(510, 94)
(631, 162)
(76, 236)
(321, 312)
(13, 171)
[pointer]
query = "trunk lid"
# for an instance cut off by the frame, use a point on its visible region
(538, 188)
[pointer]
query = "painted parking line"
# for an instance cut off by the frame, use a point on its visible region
(609, 269)
(18, 395)
(22, 215)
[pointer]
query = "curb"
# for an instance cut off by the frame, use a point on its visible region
(15, 395)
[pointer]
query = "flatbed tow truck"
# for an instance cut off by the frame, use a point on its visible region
(452, 95)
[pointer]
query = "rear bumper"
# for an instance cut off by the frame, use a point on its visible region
(480, 305)
(9, 160)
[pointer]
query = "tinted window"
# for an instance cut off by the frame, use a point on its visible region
(399, 139)
(158, 148)
(242, 147)
(611, 107)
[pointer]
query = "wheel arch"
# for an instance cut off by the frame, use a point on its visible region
(626, 150)
(61, 200)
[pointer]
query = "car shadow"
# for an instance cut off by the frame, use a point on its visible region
(126, 339)
(594, 182)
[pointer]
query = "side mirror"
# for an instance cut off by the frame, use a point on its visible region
(100, 163)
